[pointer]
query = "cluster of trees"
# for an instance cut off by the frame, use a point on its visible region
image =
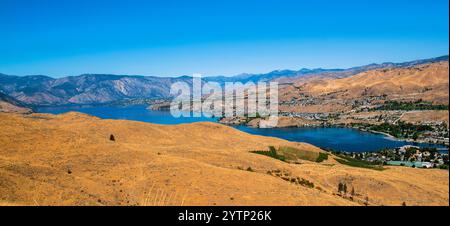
(402, 130)
(410, 106)
(322, 157)
(342, 190)
(271, 153)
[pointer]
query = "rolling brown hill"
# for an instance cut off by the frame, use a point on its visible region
(427, 82)
(11, 105)
(70, 160)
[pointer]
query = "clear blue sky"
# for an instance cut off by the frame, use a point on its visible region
(212, 37)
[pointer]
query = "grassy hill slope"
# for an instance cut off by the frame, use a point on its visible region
(70, 160)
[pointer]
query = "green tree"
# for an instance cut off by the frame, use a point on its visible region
(340, 187)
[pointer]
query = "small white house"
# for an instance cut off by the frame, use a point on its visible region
(427, 165)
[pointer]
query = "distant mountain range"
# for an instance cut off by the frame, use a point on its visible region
(85, 89)
(280, 74)
(39, 90)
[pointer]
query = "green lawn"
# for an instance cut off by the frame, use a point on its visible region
(357, 163)
(291, 154)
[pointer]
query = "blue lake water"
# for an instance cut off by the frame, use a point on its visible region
(343, 139)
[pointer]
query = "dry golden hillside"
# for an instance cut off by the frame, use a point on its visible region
(428, 82)
(70, 160)
(11, 108)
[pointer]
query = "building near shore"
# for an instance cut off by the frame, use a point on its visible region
(411, 164)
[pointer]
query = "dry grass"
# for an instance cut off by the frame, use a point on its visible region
(69, 160)
(429, 82)
(426, 116)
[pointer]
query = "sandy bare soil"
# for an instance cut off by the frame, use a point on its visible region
(419, 117)
(70, 160)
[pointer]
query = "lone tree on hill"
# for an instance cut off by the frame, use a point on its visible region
(342, 188)
(366, 201)
(112, 138)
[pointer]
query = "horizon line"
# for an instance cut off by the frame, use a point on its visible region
(230, 76)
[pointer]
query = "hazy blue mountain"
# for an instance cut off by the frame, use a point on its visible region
(244, 78)
(85, 89)
(105, 88)
(336, 73)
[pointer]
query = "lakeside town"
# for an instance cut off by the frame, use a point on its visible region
(388, 123)
(407, 156)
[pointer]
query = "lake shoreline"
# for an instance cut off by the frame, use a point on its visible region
(337, 137)
(386, 135)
